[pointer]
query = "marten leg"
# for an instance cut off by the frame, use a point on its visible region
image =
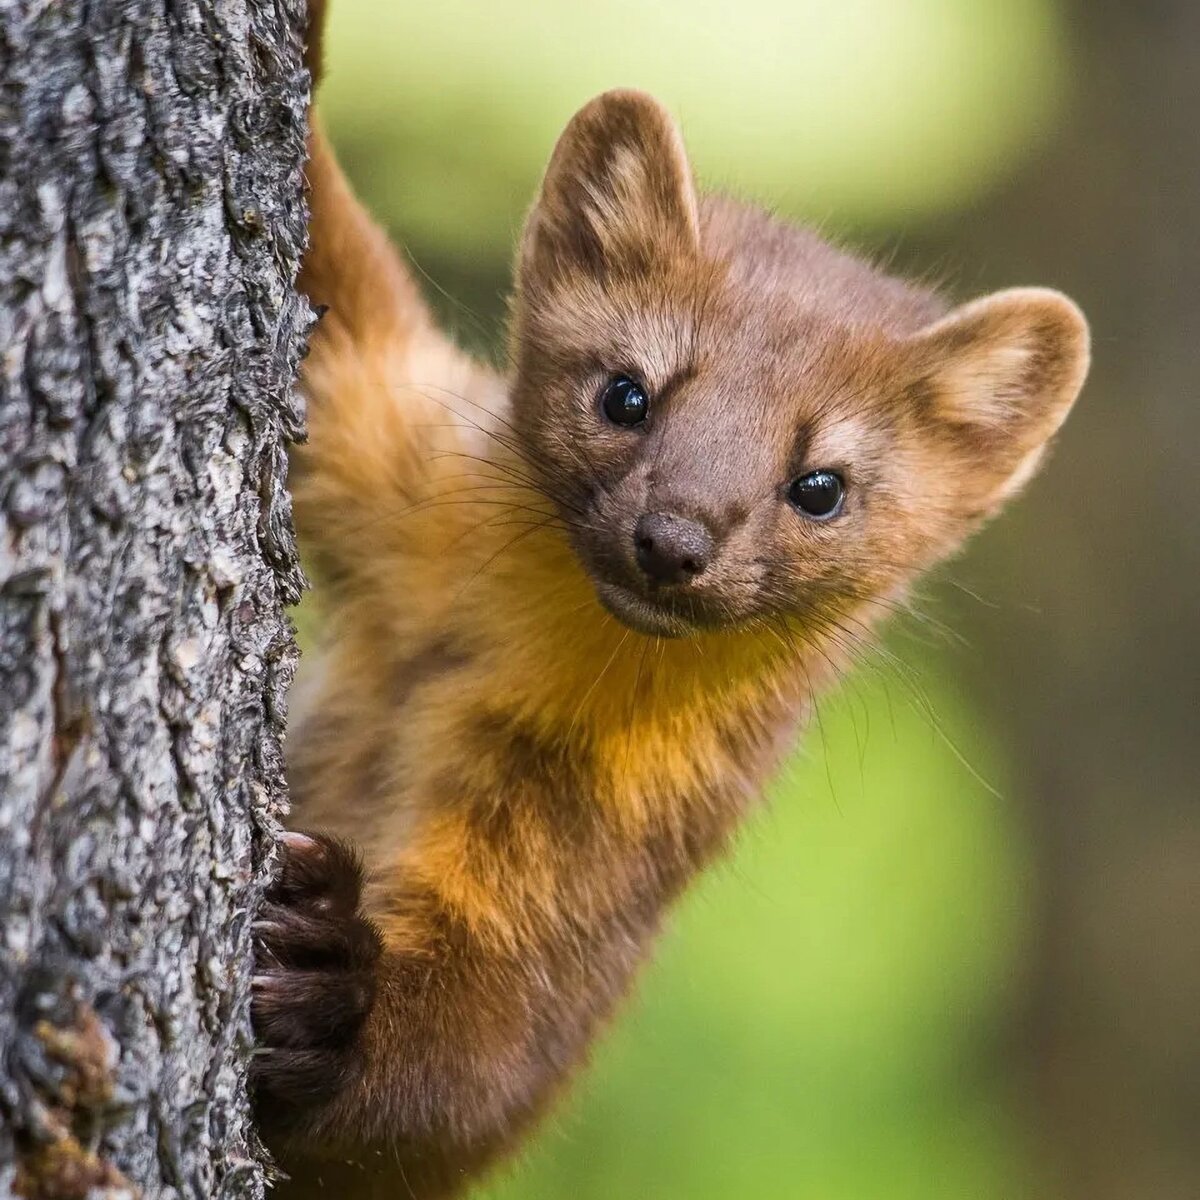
(395, 1060)
(377, 376)
(312, 940)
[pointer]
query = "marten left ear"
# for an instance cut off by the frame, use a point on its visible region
(997, 378)
(617, 197)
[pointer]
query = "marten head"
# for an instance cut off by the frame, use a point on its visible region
(737, 420)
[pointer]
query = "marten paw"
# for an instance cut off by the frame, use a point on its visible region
(315, 969)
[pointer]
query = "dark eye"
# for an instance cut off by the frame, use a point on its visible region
(819, 494)
(624, 401)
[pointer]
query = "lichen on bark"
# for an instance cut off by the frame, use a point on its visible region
(151, 222)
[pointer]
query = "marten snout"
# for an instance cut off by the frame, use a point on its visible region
(671, 549)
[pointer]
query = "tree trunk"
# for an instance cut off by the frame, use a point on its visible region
(151, 220)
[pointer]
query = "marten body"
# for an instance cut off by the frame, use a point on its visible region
(533, 719)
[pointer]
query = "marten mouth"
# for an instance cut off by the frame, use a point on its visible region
(659, 619)
(655, 611)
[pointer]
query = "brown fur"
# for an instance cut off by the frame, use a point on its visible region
(532, 750)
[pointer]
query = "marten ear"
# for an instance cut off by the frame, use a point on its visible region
(617, 196)
(996, 378)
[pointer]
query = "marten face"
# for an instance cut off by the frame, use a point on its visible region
(737, 422)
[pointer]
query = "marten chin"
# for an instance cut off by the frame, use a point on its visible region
(575, 614)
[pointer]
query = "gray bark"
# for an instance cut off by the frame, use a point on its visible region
(151, 220)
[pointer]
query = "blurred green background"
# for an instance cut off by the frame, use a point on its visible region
(958, 955)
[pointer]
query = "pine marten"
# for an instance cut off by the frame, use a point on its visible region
(576, 612)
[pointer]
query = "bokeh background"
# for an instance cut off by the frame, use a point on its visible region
(959, 955)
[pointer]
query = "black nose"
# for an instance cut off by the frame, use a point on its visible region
(671, 549)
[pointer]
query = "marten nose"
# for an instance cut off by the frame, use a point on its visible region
(671, 549)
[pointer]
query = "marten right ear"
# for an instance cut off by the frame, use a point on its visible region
(996, 378)
(618, 195)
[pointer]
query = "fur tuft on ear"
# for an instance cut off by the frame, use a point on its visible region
(998, 376)
(617, 195)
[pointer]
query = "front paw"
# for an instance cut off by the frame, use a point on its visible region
(315, 970)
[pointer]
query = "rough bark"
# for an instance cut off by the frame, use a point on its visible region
(151, 219)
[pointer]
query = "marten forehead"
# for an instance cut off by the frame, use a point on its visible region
(769, 257)
(696, 319)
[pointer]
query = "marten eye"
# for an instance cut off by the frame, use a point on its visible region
(819, 494)
(624, 401)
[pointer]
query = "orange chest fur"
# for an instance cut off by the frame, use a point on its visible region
(524, 818)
